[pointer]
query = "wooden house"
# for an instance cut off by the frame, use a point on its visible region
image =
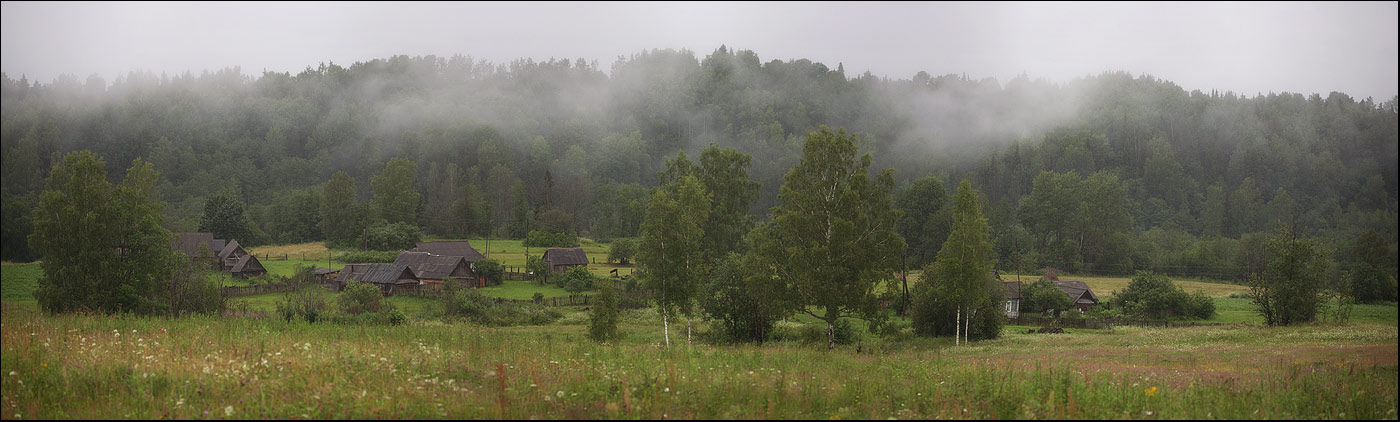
(562, 259)
(1079, 294)
(1013, 298)
(224, 256)
(387, 276)
(434, 269)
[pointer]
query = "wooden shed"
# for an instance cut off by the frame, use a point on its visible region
(1013, 298)
(561, 259)
(434, 269)
(386, 276)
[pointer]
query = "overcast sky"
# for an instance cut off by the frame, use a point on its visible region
(1245, 47)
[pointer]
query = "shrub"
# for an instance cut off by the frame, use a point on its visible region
(358, 298)
(550, 240)
(622, 250)
(815, 333)
(392, 237)
(1200, 306)
(577, 280)
(1153, 295)
(475, 307)
(192, 290)
(309, 303)
(538, 269)
(746, 303)
(489, 270)
(1043, 295)
(602, 319)
(537, 297)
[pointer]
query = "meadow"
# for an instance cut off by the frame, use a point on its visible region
(123, 366)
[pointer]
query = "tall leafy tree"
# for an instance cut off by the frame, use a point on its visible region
(1372, 275)
(926, 218)
(832, 238)
(724, 173)
(395, 200)
(103, 248)
(959, 295)
(224, 217)
(1291, 288)
(342, 219)
(670, 247)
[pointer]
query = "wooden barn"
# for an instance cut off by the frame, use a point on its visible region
(386, 276)
(224, 256)
(562, 259)
(434, 269)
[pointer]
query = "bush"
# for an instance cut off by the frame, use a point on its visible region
(489, 270)
(622, 250)
(577, 280)
(602, 319)
(192, 290)
(1042, 295)
(475, 307)
(538, 269)
(1153, 295)
(358, 298)
(309, 303)
(392, 237)
(550, 240)
(746, 303)
(537, 297)
(815, 333)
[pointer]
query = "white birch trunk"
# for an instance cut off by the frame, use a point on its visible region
(666, 328)
(957, 327)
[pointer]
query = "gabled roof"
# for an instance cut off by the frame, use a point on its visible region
(450, 248)
(1078, 291)
(387, 273)
(565, 256)
(229, 249)
(217, 246)
(429, 266)
(353, 272)
(1013, 289)
(188, 243)
(248, 263)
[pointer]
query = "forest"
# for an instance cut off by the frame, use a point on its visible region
(1105, 174)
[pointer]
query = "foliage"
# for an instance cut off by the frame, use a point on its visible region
(1043, 295)
(342, 219)
(473, 306)
(1291, 289)
(577, 280)
(602, 319)
(490, 270)
(745, 300)
(309, 303)
(925, 222)
(670, 248)
(538, 268)
(1372, 275)
(359, 297)
(17, 224)
(958, 283)
(392, 236)
(833, 237)
(103, 248)
(1153, 295)
(191, 289)
(622, 250)
(544, 239)
(555, 221)
(395, 199)
(224, 217)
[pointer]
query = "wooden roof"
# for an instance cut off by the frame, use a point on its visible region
(450, 248)
(432, 267)
(188, 243)
(248, 263)
(1078, 291)
(230, 248)
(565, 256)
(1013, 289)
(387, 274)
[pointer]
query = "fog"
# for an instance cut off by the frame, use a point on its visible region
(1242, 47)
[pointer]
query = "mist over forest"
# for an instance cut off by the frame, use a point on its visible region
(1107, 174)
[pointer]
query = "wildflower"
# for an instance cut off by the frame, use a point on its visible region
(1150, 392)
(228, 411)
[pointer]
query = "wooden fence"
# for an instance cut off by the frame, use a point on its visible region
(256, 289)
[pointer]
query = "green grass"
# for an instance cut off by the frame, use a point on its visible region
(89, 367)
(522, 290)
(18, 281)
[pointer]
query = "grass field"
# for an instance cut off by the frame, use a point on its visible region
(78, 366)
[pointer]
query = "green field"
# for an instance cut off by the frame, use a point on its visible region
(78, 366)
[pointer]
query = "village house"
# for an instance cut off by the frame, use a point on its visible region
(1013, 298)
(227, 256)
(1079, 294)
(562, 259)
(433, 270)
(389, 277)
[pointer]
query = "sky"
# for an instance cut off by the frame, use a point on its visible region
(1249, 48)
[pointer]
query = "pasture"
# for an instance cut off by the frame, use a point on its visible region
(87, 366)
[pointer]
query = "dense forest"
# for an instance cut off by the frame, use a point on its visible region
(1103, 174)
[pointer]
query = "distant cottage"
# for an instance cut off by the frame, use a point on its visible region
(1079, 294)
(1013, 298)
(562, 259)
(227, 256)
(389, 277)
(434, 269)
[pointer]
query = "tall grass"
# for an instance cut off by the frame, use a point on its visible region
(84, 366)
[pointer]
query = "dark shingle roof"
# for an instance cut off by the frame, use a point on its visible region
(432, 267)
(386, 273)
(450, 248)
(353, 272)
(565, 256)
(1078, 291)
(229, 249)
(1013, 289)
(188, 243)
(248, 263)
